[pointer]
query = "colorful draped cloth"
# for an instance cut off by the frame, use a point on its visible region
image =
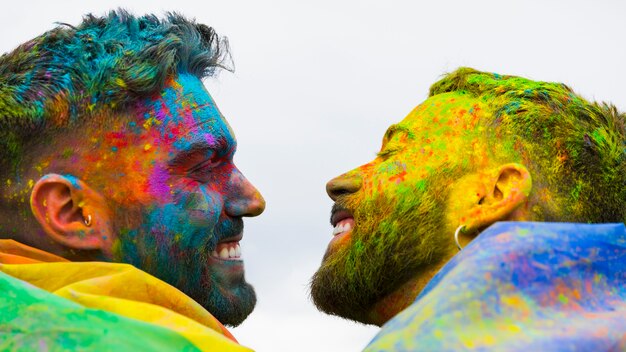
(49, 303)
(522, 286)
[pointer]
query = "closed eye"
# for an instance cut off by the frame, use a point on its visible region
(206, 165)
(388, 152)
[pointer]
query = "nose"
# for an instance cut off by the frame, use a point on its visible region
(245, 200)
(343, 185)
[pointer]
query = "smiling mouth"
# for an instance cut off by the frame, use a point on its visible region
(342, 221)
(228, 249)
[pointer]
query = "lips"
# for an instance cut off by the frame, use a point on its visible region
(341, 220)
(228, 249)
(343, 226)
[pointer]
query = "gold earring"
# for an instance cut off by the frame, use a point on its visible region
(88, 220)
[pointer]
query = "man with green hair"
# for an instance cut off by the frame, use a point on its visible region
(491, 219)
(121, 209)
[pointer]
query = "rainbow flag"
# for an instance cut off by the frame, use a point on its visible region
(48, 303)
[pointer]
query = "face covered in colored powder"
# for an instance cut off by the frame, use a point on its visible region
(177, 198)
(389, 217)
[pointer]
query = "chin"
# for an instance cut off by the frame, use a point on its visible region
(233, 306)
(331, 297)
(224, 292)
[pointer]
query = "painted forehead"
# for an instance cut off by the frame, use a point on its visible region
(438, 130)
(448, 111)
(185, 114)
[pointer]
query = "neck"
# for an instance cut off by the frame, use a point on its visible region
(402, 297)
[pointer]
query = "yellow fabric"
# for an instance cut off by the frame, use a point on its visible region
(12, 252)
(118, 288)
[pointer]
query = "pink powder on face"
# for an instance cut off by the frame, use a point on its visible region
(158, 183)
(161, 110)
(210, 139)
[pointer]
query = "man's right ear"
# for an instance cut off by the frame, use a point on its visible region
(71, 213)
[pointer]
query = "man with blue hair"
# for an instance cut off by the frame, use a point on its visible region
(120, 205)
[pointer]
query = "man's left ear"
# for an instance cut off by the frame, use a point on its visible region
(73, 214)
(506, 192)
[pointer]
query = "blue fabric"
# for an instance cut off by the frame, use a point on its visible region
(522, 286)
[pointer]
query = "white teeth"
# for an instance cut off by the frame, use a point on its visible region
(228, 252)
(341, 228)
(224, 253)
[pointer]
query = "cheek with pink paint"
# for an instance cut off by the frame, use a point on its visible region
(158, 183)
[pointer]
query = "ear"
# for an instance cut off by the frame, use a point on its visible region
(507, 189)
(479, 199)
(71, 213)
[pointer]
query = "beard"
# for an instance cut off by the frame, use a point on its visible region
(228, 297)
(393, 240)
(187, 264)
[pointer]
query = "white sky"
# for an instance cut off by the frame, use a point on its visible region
(316, 85)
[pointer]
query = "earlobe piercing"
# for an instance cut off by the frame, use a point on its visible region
(88, 221)
(456, 236)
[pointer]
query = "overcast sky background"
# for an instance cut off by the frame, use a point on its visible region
(316, 85)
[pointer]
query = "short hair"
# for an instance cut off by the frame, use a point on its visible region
(70, 73)
(577, 148)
